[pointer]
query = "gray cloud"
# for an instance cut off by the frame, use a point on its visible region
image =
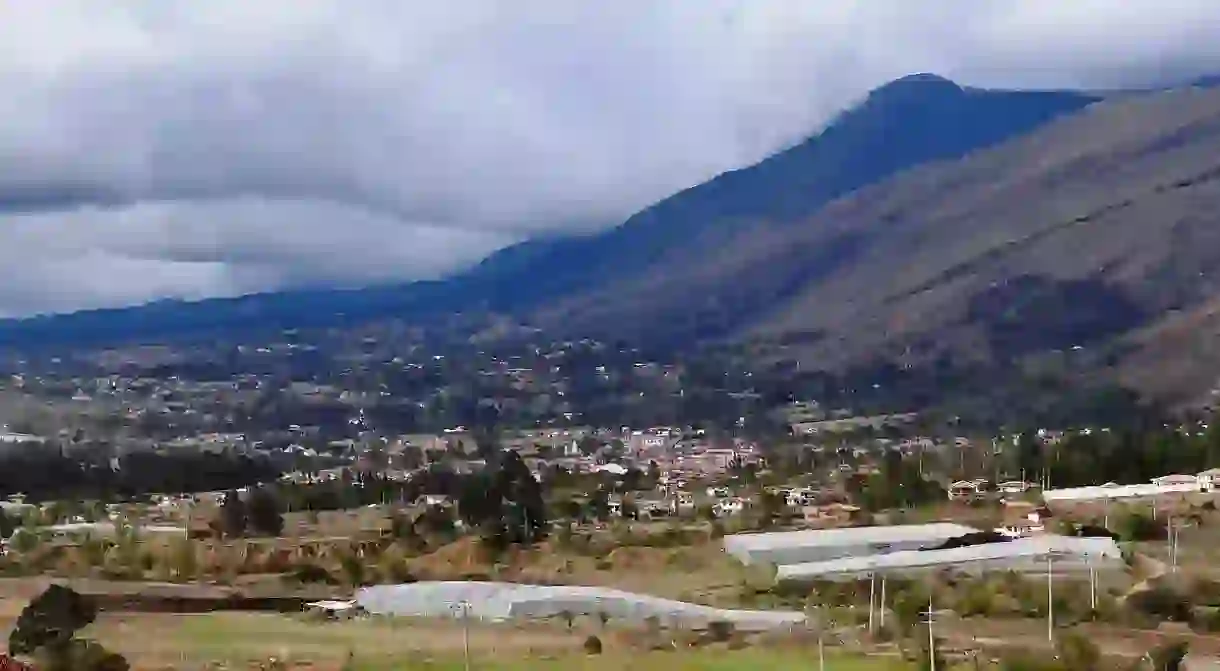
(158, 149)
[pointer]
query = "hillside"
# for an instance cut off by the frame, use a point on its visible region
(1098, 233)
(930, 223)
(908, 122)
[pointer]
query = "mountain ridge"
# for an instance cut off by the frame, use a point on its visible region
(906, 123)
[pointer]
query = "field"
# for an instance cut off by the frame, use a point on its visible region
(242, 640)
(679, 561)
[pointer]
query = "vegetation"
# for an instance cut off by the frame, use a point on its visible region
(46, 629)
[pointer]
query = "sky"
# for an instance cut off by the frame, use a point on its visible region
(155, 149)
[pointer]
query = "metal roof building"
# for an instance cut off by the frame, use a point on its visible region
(1067, 554)
(501, 601)
(1114, 492)
(796, 547)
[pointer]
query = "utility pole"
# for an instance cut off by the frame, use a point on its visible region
(1050, 600)
(931, 637)
(882, 607)
(872, 600)
(821, 640)
(1173, 564)
(1092, 583)
(463, 607)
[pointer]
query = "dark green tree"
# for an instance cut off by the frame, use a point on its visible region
(50, 620)
(233, 517)
(47, 628)
(263, 512)
(1168, 656)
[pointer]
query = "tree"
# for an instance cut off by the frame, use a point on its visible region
(233, 518)
(47, 628)
(50, 620)
(629, 509)
(1168, 656)
(929, 658)
(1078, 652)
(8, 524)
(599, 506)
(504, 502)
(263, 512)
(654, 473)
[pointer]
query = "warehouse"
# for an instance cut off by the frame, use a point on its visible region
(1067, 554)
(795, 547)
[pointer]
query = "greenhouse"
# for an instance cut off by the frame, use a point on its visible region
(1067, 554)
(796, 547)
(502, 601)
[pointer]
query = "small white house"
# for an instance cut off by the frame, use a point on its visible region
(1176, 480)
(1014, 487)
(1207, 479)
(683, 502)
(729, 507)
(964, 489)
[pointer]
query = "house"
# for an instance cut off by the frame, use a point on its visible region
(1014, 487)
(1207, 479)
(731, 506)
(682, 502)
(335, 610)
(1021, 528)
(965, 489)
(650, 508)
(1176, 480)
(833, 513)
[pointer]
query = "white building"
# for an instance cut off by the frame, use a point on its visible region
(793, 547)
(1208, 479)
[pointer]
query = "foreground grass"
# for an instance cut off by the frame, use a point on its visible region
(239, 639)
(700, 660)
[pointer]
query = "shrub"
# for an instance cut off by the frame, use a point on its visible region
(1136, 526)
(720, 631)
(312, 573)
(1206, 620)
(1078, 652)
(593, 645)
(1168, 656)
(1162, 602)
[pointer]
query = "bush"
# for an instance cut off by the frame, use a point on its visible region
(1030, 662)
(312, 573)
(593, 645)
(1136, 526)
(1206, 620)
(720, 631)
(1161, 602)
(1168, 656)
(1078, 652)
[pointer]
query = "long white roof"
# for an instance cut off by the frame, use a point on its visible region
(846, 536)
(1100, 550)
(499, 601)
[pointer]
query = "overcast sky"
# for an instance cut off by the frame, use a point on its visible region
(155, 149)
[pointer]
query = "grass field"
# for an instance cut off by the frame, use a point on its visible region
(241, 640)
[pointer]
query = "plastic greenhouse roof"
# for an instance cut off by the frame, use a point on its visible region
(1069, 549)
(846, 536)
(501, 601)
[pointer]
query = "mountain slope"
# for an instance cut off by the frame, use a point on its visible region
(908, 122)
(905, 123)
(1097, 233)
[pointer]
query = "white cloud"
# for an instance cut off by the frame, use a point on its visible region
(157, 149)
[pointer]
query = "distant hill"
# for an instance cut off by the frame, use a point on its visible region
(906, 123)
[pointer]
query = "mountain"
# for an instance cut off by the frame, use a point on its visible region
(1093, 241)
(906, 123)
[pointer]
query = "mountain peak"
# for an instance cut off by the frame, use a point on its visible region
(916, 84)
